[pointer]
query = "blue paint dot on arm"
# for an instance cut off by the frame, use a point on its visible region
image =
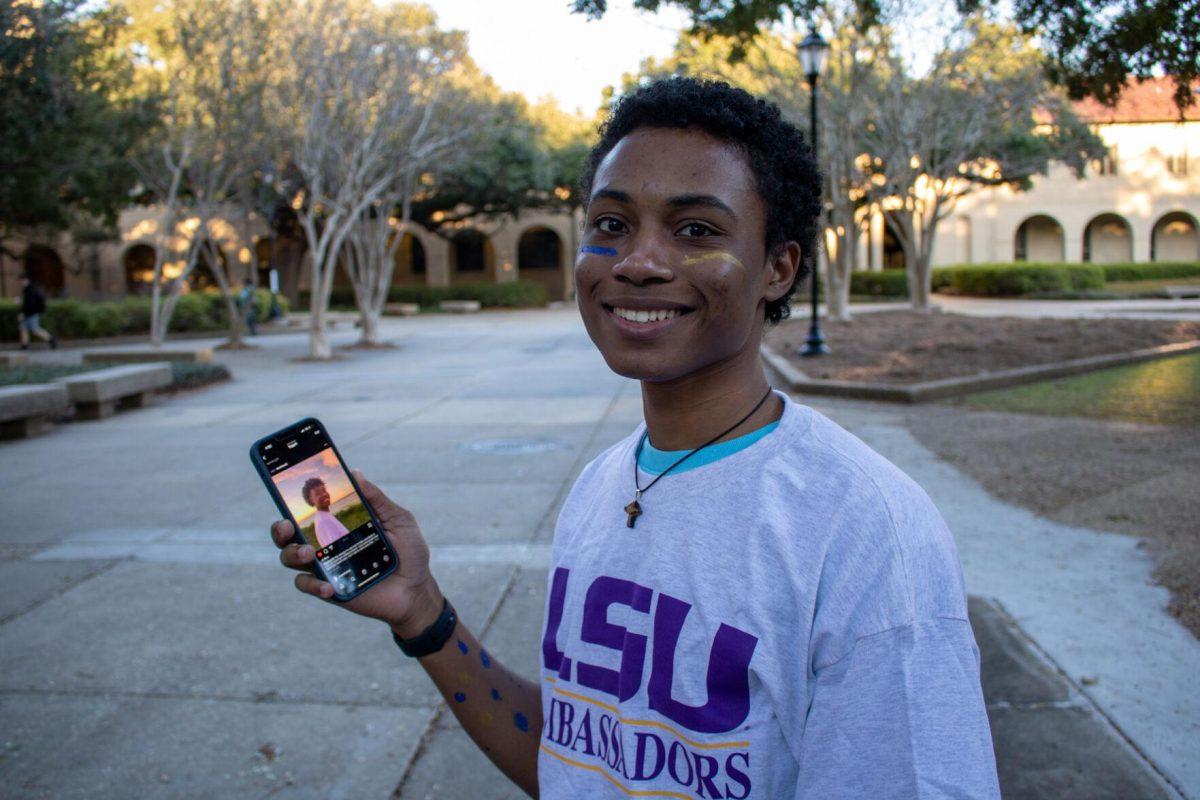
(495, 694)
(485, 659)
(462, 647)
(598, 251)
(460, 697)
(521, 721)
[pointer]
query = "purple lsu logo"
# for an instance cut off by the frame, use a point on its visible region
(728, 676)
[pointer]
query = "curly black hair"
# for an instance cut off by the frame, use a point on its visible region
(785, 171)
(309, 485)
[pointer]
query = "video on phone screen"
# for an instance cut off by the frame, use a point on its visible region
(328, 511)
(320, 497)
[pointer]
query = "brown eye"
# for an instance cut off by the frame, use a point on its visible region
(696, 229)
(610, 225)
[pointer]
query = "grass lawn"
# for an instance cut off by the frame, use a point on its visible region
(183, 375)
(1163, 392)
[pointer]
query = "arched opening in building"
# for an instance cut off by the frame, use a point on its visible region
(262, 262)
(139, 269)
(1175, 238)
(410, 262)
(202, 277)
(539, 258)
(45, 270)
(471, 254)
(893, 253)
(1039, 239)
(1107, 239)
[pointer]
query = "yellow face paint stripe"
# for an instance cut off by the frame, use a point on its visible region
(713, 257)
(651, 723)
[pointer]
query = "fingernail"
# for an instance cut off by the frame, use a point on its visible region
(306, 551)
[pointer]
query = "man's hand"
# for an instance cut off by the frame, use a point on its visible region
(408, 600)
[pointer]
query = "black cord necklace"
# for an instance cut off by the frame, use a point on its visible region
(634, 509)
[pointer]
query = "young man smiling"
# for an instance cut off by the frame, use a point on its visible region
(745, 600)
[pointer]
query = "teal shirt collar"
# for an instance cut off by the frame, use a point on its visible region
(654, 461)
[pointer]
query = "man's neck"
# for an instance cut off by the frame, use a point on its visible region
(685, 413)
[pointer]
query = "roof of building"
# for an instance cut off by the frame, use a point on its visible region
(1152, 100)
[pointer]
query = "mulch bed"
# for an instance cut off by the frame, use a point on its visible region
(902, 347)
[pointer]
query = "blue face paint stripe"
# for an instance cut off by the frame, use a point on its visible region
(598, 251)
(521, 721)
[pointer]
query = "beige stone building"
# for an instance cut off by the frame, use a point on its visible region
(1140, 203)
(537, 246)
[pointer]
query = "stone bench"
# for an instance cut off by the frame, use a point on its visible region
(195, 355)
(10, 358)
(401, 309)
(100, 393)
(1180, 292)
(26, 409)
(460, 306)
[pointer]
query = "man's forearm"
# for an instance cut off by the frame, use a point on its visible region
(499, 710)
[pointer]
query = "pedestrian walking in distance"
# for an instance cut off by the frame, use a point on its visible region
(33, 305)
(245, 303)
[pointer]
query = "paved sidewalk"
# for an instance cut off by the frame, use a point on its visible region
(1019, 307)
(151, 646)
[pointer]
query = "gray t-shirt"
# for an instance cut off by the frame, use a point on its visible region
(787, 622)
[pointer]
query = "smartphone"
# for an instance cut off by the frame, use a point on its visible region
(310, 484)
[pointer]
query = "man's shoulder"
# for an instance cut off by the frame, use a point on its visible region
(837, 467)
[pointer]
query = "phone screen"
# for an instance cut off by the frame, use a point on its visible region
(324, 504)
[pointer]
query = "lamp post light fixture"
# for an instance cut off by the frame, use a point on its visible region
(813, 52)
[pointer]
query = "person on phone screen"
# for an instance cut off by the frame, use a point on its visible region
(326, 527)
(744, 600)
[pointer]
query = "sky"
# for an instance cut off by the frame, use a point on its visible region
(539, 48)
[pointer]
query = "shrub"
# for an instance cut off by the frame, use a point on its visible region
(1010, 280)
(518, 294)
(1155, 271)
(888, 283)
(88, 319)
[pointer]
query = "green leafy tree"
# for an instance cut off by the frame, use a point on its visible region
(68, 115)
(1095, 45)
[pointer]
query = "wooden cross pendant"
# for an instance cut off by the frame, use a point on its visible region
(633, 510)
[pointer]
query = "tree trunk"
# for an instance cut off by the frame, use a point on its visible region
(369, 321)
(318, 337)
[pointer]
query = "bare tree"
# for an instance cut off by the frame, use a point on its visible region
(983, 115)
(210, 62)
(357, 101)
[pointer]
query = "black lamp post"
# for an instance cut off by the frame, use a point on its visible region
(813, 51)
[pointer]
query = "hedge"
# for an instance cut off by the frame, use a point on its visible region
(87, 319)
(887, 283)
(1010, 280)
(518, 294)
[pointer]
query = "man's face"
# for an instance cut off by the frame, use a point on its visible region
(672, 275)
(319, 496)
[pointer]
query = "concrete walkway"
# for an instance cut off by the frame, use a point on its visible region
(151, 646)
(1188, 309)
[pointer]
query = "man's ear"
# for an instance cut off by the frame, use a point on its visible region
(782, 266)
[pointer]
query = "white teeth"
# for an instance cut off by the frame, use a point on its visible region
(656, 315)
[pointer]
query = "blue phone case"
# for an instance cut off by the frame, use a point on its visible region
(317, 570)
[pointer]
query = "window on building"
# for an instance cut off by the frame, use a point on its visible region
(1106, 164)
(1177, 164)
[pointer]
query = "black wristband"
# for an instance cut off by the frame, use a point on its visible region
(433, 638)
